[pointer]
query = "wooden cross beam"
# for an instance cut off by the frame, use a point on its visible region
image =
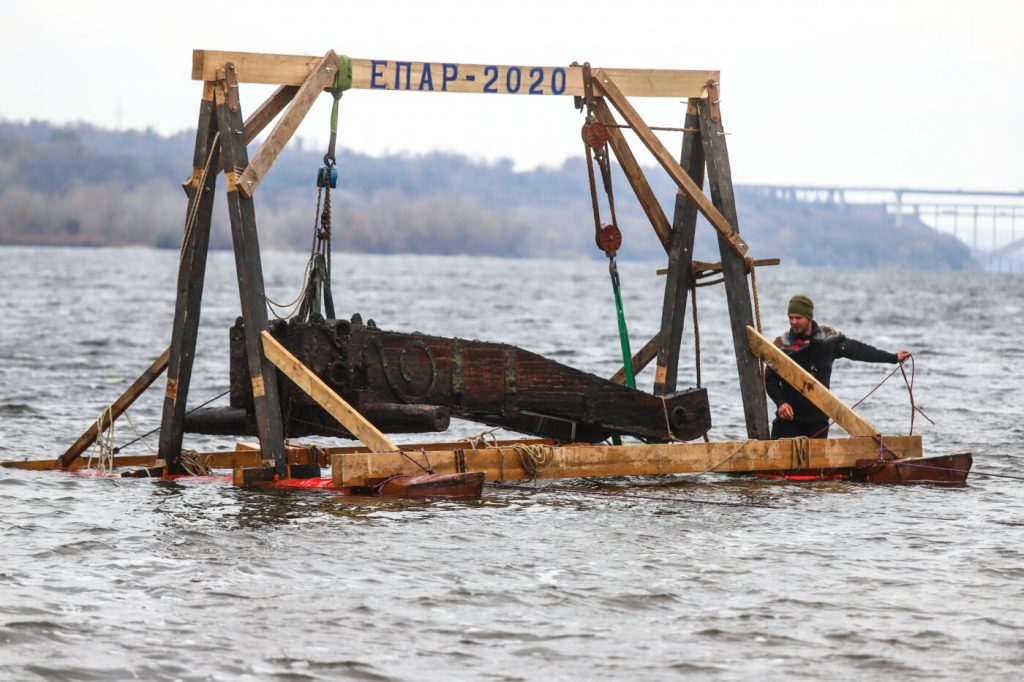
(396, 75)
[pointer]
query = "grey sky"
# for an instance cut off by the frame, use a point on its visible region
(918, 94)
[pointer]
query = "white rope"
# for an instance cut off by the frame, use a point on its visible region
(104, 442)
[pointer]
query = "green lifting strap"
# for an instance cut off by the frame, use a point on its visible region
(343, 79)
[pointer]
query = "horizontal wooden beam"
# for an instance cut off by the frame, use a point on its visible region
(572, 461)
(812, 389)
(248, 455)
(390, 74)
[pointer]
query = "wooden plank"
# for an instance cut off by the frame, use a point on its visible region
(824, 452)
(397, 75)
(641, 359)
(634, 173)
(680, 258)
(609, 89)
(268, 111)
(117, 408)
(321, 77)
(573, 461)
(310, 384)
(195, 246)
(812, 389)
(734, 274)
(251, 291)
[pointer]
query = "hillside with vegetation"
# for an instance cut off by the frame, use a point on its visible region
(82, 185)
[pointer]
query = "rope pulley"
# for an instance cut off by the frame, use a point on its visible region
(607, 236)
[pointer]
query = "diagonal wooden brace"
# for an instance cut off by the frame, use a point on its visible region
(634, 173)
(310, 384)
(812, 389)
(321, 78)
(608, 88)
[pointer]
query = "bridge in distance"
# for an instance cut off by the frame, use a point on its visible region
(986, 221)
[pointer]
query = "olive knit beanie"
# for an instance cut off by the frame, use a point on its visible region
(801, 305)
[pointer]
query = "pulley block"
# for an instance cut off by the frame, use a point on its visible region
(595, 135)
(327, 176)
(608, 239)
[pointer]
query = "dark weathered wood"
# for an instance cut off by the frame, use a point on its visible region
(634, 173)
(117, 408)
(500, 385)
(191, 276)
(737, 290)
(314, 387)
(680, 258)
(251, 290)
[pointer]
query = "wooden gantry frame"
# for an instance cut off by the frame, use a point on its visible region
(221, 145)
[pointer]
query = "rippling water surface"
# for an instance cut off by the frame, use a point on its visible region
(128, 579)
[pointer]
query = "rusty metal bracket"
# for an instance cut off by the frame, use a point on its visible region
(713, 99)
(231, 80)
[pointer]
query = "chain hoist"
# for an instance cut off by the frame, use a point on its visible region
(607, 235)
(317, 292)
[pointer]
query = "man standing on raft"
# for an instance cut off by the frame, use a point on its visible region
(814, 347)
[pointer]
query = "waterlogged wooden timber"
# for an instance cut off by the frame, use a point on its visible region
(492, 383)
(812, 389)
(577, 461)
(117, 408)
(314, 387)
(397, 75)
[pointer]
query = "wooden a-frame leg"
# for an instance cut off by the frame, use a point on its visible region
(737, 291)
(250, 276)
(679, 278)
(191, 275)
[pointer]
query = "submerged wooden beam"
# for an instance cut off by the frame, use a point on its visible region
(315, 388)
(117, 408)
(608, 87)
(812, 389)
(572, 461)
(390, 74)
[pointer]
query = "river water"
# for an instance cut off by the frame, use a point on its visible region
(131, 579)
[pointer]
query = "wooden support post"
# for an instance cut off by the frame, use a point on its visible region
(191, 276)
(310, 384)
(734, 273)
(634, 173)
(680, 260)
(812, 389)
(322, 77)
(249, 269)
(726, 229)
(117, 408)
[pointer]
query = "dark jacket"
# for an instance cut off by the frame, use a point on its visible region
(826, 344)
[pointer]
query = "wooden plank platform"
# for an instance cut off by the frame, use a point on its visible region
(391, 74)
